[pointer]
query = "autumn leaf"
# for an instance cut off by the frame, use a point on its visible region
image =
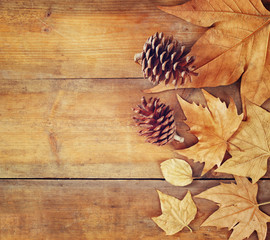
(250, 145)
(176, 214)
(213, 126)
(235, 44)
(177, 172)
(238, 209)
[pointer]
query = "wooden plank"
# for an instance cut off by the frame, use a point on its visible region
(74, 128)
(82, 128)
(100, 210)
(85, 39)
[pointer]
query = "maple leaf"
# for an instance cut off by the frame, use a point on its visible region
(250, 145)
(238, 209)
(176, 214)
(177, 172)
(213, 126)
(235, 44)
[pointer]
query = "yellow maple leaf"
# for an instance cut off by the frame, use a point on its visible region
(250, 145)
(235, 44)
(176, 214)
(238, 209)
(213, 126)
(177, 172)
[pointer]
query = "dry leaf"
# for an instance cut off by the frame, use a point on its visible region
(213, 126)
(177, 172)
(235, 44)
(176, 214)
(238, 209)
(250, 145)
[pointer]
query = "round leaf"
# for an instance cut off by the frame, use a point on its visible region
(177, 172)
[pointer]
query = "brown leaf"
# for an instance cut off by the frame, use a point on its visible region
(213, 126)
(176, 214)
(238, 209)
(236, 43)
(250, 145)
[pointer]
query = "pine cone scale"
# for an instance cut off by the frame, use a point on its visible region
(160, 119)
(170, 138)
(155, 134)
(157, 128)
(165, 130)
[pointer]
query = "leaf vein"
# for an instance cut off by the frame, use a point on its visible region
(227, 5)
(238, 7)
(264, 130)
(255, 7)
(250, 143)
(240, 42)
(235, 213)
(211, 5)
(249, 160)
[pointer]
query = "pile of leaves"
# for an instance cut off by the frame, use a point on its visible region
(235, 45)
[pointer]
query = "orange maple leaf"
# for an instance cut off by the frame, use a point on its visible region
(238, 209)
(236, 44)
(213, 126)
(250, 145)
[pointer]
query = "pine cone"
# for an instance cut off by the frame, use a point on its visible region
(157, 120)
(164, 59)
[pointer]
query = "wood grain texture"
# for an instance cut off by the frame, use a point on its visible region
(74, 128)
(67, 86)
(100, 210)
(85, 39)
(82, 128)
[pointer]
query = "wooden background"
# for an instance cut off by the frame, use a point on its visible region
(71, 163)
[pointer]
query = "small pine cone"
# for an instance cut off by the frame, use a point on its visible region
(164, 59)
(157, 120)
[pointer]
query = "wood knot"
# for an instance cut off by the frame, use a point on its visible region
(46, 29)
(55, 147)
(48, 13)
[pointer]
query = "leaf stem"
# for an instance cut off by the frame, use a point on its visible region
(180, 220)
(189, 228)
(137, 57)
(265, 203)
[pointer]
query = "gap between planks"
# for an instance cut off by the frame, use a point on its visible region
(81, 78)
(119, 179)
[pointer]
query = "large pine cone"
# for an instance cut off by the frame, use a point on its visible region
(164, 59)
(157, 120)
